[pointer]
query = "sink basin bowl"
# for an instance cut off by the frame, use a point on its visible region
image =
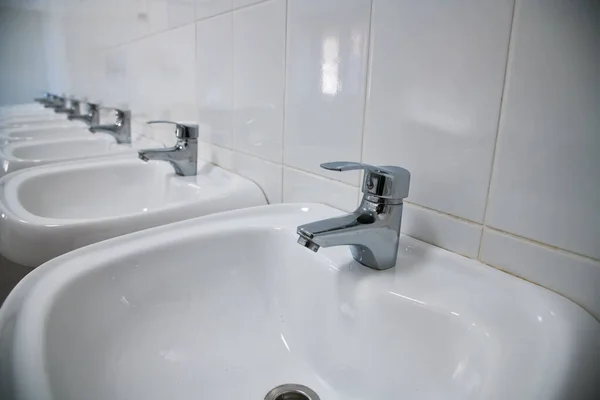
(24, 110)
(15, 121)
(24, 154)
(228, 306)
(57, 208)
(40, 124)
(44, 133)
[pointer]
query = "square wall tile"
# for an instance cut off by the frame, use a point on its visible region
(208, 8)
(244, 3)
(327, 51)
(436, 79)
(574, 277)
(165, 72)
(117, 80)
(180, 12)
(546, 179)
(258, 79)
(214, 63)
(265, 174)
(300, 187)
(441, 230)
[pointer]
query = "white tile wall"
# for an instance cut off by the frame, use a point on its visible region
(207, 8)
(325, 83)
(434, 101)
(258, 79)
(492, 105)
(546, 181)
(214, 74)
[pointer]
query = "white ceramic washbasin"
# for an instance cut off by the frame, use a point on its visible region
(229, 306)
(44, 133)
(28, 109)
(33, 120)
(51, 210)
(25, 154)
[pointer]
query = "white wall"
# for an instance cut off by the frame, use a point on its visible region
(493, 106)
(22, 58)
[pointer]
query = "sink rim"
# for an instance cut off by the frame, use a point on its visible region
(48, 133)
(7, 152)
(34, 296)
(22, 230)
(10, 186)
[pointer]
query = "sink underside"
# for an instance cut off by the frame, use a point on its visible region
(229, 306)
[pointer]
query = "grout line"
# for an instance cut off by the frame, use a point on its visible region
(251, 5)
(272, 163)
(285, 57)
(541, 244)
(232, 80)
(137, 39)
(196, 79)
(194, 21)
(503, 96)
(215, 15)
(445, 214)
(228, 11)
(367, 85)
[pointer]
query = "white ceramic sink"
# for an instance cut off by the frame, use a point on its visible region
(57, 208)
(24, 154)
(40, 124)
(44, 133)
(34, 120)
(229, 306)
(19, 110)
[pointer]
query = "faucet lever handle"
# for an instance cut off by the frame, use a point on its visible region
(387, 182)
(182, 131)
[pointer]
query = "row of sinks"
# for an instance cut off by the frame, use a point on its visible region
(155, 285)
(63, 187)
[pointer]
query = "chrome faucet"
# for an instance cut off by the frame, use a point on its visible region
(53, 101)
(68, 107)
(120, 129)
(46, 99)
(91, 116)
(373, 230)
(184, 155)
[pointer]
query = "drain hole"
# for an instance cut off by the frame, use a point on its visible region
(292, 396)
(291, 391)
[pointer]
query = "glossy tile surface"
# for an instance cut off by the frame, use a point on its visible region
(441, 230)
(208, 8)
(214, 75)
(258, 79)
(546, 180)
(269, 176)
(326, 76)
(163, 69)
(244, 3)
(299, 186)
(437, 70)
(180, 12)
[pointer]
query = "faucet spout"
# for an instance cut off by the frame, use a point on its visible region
(183, 156)
(372, 231)
(120, 130)
(103, 128)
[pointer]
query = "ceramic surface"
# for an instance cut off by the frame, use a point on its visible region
(230, 306)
